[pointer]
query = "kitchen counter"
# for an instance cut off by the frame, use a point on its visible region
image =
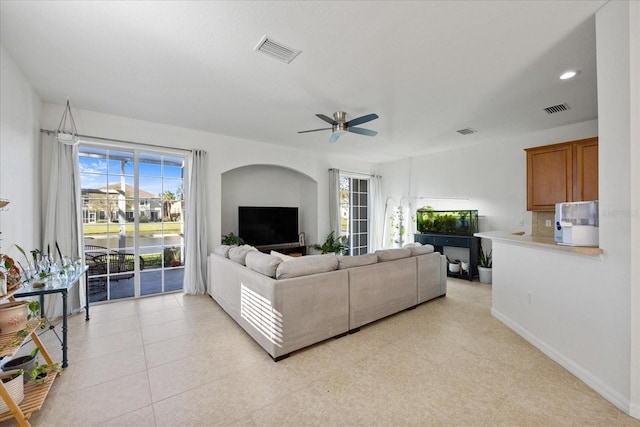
(537, 241)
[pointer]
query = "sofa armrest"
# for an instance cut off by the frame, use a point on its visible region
(432, 276)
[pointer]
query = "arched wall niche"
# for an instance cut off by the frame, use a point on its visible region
(269, 185)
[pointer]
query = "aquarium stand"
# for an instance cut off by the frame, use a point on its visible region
(439, 241)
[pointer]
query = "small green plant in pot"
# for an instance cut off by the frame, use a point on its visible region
(24, 363)
(484, 266)
(232, 240)
(39, 373)
(333, 244)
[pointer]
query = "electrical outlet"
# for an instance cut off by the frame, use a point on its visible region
(521, 223)
(547, 223)
(529, 298)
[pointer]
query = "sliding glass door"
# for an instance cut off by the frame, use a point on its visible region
(132, 220)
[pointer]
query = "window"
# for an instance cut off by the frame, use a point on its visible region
(133, 229)
(354, 213)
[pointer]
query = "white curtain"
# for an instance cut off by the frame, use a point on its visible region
(334, 201)
(376, 237)
(63, 212)
(195, 238)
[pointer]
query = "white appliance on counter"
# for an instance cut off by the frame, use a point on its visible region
(577, 224)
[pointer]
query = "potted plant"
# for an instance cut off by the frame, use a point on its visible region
(454, 265)
(332, 244)
(25, 363)
(484, 266)
(232, 240)
(14, 385)
(39, 373)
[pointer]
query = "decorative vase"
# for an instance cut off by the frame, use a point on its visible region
(13, 316)
(454, 267)
(15, 388)
(485, 274)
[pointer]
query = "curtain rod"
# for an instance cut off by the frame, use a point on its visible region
(53, 132)
(359, 173)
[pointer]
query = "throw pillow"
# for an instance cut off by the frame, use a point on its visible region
(239, 253)
(356, 261)
(262, 263)
(282, 256)
(307, 265)
(393, 254)
(421, 250)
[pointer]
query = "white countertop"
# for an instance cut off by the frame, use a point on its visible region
(537, 241)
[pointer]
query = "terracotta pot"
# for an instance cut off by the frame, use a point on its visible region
(13, 316)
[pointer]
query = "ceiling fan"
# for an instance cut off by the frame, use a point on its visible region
(340, 126)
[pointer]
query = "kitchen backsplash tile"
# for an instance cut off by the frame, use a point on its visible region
(538, 224)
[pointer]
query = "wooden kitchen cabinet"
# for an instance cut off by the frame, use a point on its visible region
(564, 172)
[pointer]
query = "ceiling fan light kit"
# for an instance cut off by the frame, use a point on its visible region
(340, 125)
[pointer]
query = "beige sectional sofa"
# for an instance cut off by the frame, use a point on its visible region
(288, 304)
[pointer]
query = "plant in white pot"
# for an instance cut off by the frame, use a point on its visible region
(484, 266)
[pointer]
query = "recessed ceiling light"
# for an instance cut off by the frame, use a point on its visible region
(568, 74)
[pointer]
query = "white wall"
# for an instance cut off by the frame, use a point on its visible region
(20, 111)
(225, 153)
(263, 185)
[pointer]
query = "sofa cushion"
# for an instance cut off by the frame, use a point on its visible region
(356, 261)
(411, 244)
(392, 254)
(421, 250)
(222, 250)
(307, 265)
(283, 257)
(239, 253)
(262, 263)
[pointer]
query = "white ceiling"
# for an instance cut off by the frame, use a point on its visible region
(426, 68)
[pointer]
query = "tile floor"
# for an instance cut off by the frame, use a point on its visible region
(177, 360)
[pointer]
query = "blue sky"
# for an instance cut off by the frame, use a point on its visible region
(157, 173)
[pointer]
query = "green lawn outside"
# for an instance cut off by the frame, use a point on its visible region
(145, 228)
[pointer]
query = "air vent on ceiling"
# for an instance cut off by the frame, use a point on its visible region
(557, 108)
(466, 131)
(276, 50)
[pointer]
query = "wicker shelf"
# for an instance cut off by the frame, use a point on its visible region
(34, 393)
(34, 396)
(11, 342)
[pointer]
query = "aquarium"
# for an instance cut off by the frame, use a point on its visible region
(463, 223)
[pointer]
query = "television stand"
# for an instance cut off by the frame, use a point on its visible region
(292, 249)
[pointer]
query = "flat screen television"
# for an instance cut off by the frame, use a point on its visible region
(267, 225)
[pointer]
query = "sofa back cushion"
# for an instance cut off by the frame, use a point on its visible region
(239, 253)
(345, 262)
(307, 265)
(262, 263)
(222, 250)
(393, 254)
(421, 250)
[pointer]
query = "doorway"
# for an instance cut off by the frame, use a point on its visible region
(132, 221)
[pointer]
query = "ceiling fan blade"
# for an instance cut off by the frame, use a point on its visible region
(360, 120)
(313, 130)
(361, 131)
(327, 119)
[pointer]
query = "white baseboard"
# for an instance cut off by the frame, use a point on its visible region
(585, 376)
